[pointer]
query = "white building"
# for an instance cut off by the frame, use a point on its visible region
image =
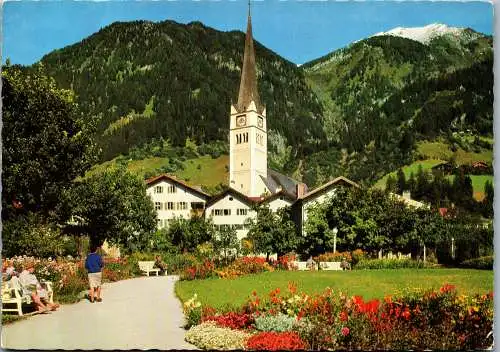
(231, 209)
(173, 198)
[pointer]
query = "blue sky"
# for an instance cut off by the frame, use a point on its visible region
(297, 30)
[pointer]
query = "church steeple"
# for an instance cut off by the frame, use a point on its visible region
(248, 85)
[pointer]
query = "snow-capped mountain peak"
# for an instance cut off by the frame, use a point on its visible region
(423, 34)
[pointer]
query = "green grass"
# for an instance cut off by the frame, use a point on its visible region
(478, 182)
(206, 171)
(442, 151)
(220, 293)
(202, 171)
(408, 170)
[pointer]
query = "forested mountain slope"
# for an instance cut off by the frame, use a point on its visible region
(147, 80)
(384, 93)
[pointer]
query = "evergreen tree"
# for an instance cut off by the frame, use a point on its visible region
(401, 182)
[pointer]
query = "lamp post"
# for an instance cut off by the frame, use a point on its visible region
(453, 248)
(334, 231)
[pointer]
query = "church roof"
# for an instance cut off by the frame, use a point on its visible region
(248, 84)
(276, 181)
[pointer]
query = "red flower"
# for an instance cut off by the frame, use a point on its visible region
(274, 341)
(345, 331)
(343, 316)
(447, 288)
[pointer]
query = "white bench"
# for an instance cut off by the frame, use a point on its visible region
(302, 266)
(148, 267)
(330, 266)
(12, 294)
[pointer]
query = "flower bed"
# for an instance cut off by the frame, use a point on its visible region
(240, 266)
(435, 319)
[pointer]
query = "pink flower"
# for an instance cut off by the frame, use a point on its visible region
(345, 331)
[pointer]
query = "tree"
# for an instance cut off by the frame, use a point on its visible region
(391, 184)
(187, 234)
(273, 232)
(226, 243)
(46, 142)
(488, 199)
(112, 205)
(401, 182)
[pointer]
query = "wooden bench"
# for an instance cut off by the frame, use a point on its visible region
(13, 297)
(148, 267)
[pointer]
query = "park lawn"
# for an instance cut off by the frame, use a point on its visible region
(221, 293)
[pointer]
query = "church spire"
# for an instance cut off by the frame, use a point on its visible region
(248, 85)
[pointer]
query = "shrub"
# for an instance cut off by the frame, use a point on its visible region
(192, 311)
(391, 264)
(334, 257)
(275, 341)
(277, 323)
(199, 271)
(209, 336)
(485, 263)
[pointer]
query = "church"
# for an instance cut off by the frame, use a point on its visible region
(250, 180)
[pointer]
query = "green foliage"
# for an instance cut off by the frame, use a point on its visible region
(383, 94)
(193, 79)
(371, 220)
(187, 234)
(31, 235)
(273, 232)
(390, 264)
(47, 142)
(479, 263)
(112, 206)
(226, 243)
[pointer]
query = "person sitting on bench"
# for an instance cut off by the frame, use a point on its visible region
(160, 265)
(31, 286)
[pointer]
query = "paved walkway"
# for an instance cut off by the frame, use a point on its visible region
(141, 313)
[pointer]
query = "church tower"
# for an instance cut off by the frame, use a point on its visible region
(248, 129)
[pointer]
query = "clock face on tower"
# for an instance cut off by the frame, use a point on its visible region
(260, 122)
(241, 121)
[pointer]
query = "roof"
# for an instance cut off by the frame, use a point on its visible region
(152, 181)
(248, 85)
(234, 193)
(329, 185)
(276, 180)
(281, 193)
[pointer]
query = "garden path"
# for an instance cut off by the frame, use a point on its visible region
(140, 313)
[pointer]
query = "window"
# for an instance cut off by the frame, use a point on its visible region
(182, 205)
(158, 206)
(158, 189)
(171, 189)
(231, 198)
(227, 212)
(197, 205)
(218, 212)
(169, 205)
(241, 211)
